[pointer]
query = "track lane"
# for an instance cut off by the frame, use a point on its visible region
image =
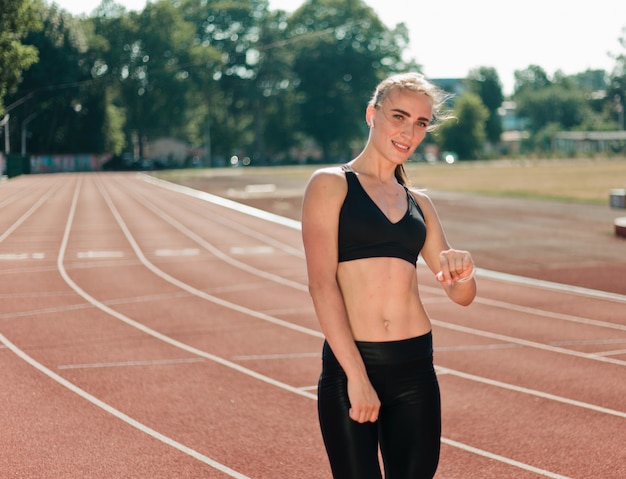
(316, 367)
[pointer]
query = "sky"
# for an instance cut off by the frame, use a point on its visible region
(448, 39)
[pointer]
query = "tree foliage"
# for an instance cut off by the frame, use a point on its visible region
(342, 51)
(17, 19)
(485, 83)
(466, 135)
(232, 77)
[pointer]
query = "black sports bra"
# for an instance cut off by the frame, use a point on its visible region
(365, 231)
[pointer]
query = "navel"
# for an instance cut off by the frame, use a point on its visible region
(387, 324)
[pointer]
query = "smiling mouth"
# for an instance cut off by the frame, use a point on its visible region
(400, 146)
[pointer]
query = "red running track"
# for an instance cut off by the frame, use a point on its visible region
(153, 331)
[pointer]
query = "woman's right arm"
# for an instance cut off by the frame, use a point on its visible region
(323, 198)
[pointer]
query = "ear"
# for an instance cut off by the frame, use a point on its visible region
(369, 116)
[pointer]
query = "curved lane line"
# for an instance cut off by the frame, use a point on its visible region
(525, 342)
(32, 209)
(118, 414)
(531, 392)
(297, 225)
(184, 286)
(506, 460)
(154, 334)
(215, 251)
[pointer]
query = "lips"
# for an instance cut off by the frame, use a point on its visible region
(400, 146)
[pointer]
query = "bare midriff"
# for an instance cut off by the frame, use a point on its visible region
(382, 299)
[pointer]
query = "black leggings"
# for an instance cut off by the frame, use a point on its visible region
(408, 429)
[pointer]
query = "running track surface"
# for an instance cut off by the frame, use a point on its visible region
(149, 330)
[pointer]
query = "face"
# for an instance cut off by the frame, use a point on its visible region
(400, 123)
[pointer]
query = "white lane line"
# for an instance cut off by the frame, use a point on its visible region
(99, 254)
(297, 225)
(151, 332)
(220, 360)
(32, 209)
(185, 287)
(532, 392)
(252, 250)
(506, 460)
(584, 342)
(562, 288)
(120, 415)
(495, 303)
(21, 256)
(550, 314)
(524, 342)
(209, 247)
(441, 298)
(277, 356)
(177, 252)
(478, 347)
(155, 362)
(617, 352)
(233, 205)
(312, 396)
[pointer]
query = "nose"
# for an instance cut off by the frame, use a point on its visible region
(408, 130)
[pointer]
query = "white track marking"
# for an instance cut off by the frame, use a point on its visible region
(531, 392)
(215, 251)
(549, 314)
(524, 342)
(437, 291)
(277, 356)
(506, 460)
(99, 254)
(217, 200)
(617, 352)
(21, 256)
(32, 209)
(201, 294)
(554, 286)
(120, 415)
(122, 364)
(152, 332)
(252, 373)
(297, 225)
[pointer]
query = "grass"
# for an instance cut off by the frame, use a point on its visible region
(584, 181)
(580, 180)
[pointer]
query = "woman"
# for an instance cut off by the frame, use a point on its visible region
(363, 230)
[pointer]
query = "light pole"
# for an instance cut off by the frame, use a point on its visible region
(26, 121)
(7, 144)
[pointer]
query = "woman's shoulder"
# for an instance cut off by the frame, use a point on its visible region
(330, 171)
(329, 175)
(422, 198)
(327, 184)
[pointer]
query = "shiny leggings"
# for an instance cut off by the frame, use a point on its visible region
(408, 430)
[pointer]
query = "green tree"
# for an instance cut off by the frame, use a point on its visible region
(531, 78)
(17, 19)
(234, 31)
(465, 136)
(343, 51)
(65, 107)
(559, 103)
(616, 92)
(484, 82)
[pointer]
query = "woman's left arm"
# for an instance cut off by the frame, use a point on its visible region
(453, 268)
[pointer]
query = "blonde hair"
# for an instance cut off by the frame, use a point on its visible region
(415, 82)
(418, 83)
